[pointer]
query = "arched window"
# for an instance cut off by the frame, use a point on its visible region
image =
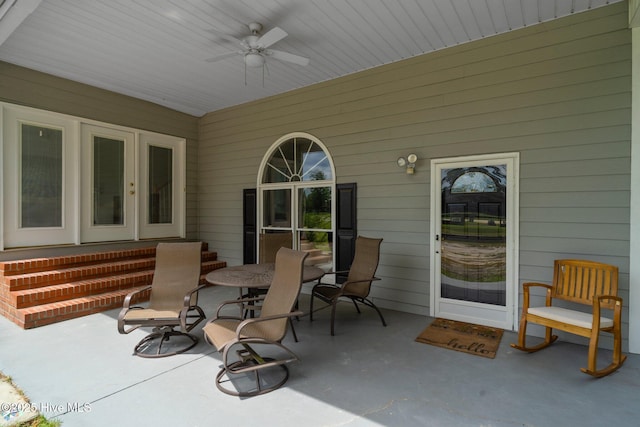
(296, 204)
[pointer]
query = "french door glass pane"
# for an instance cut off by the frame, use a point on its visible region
(160, 185)
(314, 205)
(276, 209)
(41, 177)
(474, 234)
(108, 181)
(314, 216)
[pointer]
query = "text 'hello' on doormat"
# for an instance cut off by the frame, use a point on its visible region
(465, 337)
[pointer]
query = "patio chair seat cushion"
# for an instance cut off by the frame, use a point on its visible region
(149, 313)
(571, 317)
(222, 331)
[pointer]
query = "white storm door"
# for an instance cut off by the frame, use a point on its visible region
(474, 239)
(162, 186)
(40, 176)
(108, 184)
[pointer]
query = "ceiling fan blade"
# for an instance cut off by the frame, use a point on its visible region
(225, 36)
(270, 37)
(223, 56)
(289, 57)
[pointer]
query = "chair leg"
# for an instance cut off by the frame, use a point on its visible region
(311, 308)
(259, 387)
(549, 338)
(334, 303)
(162, 335)
(293, 330)
(379, 313)
(356, 304)
(618, 357)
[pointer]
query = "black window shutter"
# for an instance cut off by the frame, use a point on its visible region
(249, 228)
(346, 227)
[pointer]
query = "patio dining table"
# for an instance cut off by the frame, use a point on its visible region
(255, 276)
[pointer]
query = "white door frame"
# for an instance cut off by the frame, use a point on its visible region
(497, 316)
(14, 235)
(178, 146)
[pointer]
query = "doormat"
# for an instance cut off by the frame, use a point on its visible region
(465, 337)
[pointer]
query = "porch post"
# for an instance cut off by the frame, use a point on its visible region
(634, 220)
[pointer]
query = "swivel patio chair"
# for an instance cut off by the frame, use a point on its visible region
(358, 283)
(227, 333)
(173, 302)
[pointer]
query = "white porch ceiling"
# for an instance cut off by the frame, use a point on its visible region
(156, 50)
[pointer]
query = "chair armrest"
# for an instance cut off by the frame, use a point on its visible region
(617, 309)
(336, 272)
(127, 300)
(186, 302)
(239, 301)
(526, 288)
(246, 322)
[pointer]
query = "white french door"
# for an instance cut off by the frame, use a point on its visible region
(162, 186)
(39, 178)
(474, 223)
(70, 181)
(108, 190)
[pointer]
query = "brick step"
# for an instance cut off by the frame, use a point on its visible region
(47, 314)
(26, 266)
(78, 285)
(39, 279)
(63, 291)
(82, 288)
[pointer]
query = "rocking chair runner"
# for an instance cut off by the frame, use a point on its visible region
(227, 333)
(358, 284)
(173, 303)
(584, 282)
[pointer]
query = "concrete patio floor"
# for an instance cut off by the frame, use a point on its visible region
(83, 373)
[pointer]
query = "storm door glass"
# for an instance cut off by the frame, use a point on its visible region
(473, 233)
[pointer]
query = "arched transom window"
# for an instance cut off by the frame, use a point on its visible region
(296, 204)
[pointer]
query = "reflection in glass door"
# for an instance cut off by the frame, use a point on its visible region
(108, 189)
(473, 277)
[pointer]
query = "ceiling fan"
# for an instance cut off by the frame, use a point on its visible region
(255, 47)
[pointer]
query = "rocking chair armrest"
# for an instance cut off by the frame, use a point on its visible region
(617, 309)
(528, 285)
(240, 301)
(526, 288)
(127, 300)
(608, 297)
(247, 322)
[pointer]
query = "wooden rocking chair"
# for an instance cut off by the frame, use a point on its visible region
(583, 282)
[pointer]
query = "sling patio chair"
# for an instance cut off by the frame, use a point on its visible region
(173, 302)
(265, 331)
(358, 283)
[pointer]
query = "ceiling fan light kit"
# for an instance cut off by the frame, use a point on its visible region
(254, 60)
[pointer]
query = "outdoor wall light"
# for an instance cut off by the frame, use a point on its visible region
(409, 163)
